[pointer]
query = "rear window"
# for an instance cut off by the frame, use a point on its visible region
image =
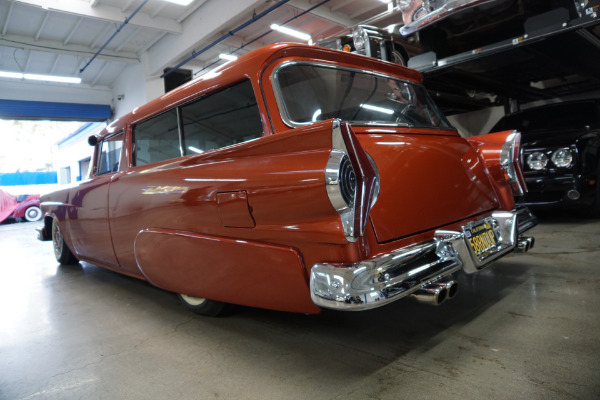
(307, 93)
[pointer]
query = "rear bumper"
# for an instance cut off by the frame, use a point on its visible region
(568, 189)
(392, 276)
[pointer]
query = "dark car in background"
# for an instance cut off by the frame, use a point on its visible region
(561, 147)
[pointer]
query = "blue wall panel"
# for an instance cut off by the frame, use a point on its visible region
(28, 178)
(39, 110)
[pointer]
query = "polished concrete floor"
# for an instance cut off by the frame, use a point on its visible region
(527, 328)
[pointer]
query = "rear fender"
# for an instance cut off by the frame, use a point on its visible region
(501, 154)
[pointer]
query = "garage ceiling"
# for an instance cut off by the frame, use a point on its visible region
(61, 37)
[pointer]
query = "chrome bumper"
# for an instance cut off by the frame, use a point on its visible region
(381, 280)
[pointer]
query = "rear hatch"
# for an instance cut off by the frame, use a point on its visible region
(426, 182)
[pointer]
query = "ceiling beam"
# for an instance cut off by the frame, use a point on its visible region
(10, 9)
(129, 36)
(325, 13)
(101, 70)
(201, 26)
(39, 32)
(70, 35)
(368, 8)
(54, 64)
(106, 13)
(51, 46)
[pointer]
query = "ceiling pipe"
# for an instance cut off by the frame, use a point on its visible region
(230, 33)
(113, 35)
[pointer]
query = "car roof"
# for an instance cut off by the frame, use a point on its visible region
(250, 66)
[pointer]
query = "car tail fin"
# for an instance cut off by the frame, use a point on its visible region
(351, 179)
(501, 152)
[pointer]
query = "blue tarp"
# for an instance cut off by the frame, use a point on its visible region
(40, 110)
(28, 178)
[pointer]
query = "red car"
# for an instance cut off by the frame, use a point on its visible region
(295, 178)
(20, 207)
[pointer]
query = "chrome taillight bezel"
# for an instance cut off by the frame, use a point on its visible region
(510, 160)
(353, 210)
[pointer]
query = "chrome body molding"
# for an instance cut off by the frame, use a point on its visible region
(378, 281)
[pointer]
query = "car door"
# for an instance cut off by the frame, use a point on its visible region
(88, 208)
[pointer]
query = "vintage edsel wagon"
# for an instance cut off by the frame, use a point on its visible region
(294, 178)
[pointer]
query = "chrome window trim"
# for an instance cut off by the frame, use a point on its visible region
(293, 124)
(99, 155)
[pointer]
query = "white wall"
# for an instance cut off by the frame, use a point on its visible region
(129, 90)
(134, 88)
(476, 122)
(61, 93)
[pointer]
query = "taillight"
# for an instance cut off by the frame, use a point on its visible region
(351, 179)
(510, 160)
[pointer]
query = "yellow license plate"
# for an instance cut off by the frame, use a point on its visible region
(481, 238)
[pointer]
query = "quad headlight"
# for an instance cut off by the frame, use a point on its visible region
(537, 160)
(562, 158)
(361, 40)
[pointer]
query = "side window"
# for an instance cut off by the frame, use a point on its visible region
(110, 154)
(227, 117)
(157, 139)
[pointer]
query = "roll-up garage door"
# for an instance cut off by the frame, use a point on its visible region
(39, 110)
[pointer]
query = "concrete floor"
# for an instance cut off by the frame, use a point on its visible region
(527, 328)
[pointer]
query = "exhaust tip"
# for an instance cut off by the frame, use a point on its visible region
(573, 194)
(432, 295)
(451, 288)
(525, 244)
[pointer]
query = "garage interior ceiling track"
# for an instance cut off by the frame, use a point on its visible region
(62, 37)
(59, 37)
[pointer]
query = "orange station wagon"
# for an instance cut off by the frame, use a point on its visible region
(295, 178)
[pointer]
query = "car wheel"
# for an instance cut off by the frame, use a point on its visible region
(201, 306)
(398, 58)
(61, 251)
(33, 213)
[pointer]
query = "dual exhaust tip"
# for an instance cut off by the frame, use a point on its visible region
(435, 293)
(525, 244)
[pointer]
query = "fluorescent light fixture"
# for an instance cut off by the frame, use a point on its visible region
(378, 109)
(227, 57)
(292, 32)
(195, 149)
(12, 75)
(52, 78)
(180, 2)
(36, 77)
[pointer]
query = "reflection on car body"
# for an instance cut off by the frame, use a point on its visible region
(294, 178)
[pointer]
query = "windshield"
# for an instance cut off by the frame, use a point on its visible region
(310, 93)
